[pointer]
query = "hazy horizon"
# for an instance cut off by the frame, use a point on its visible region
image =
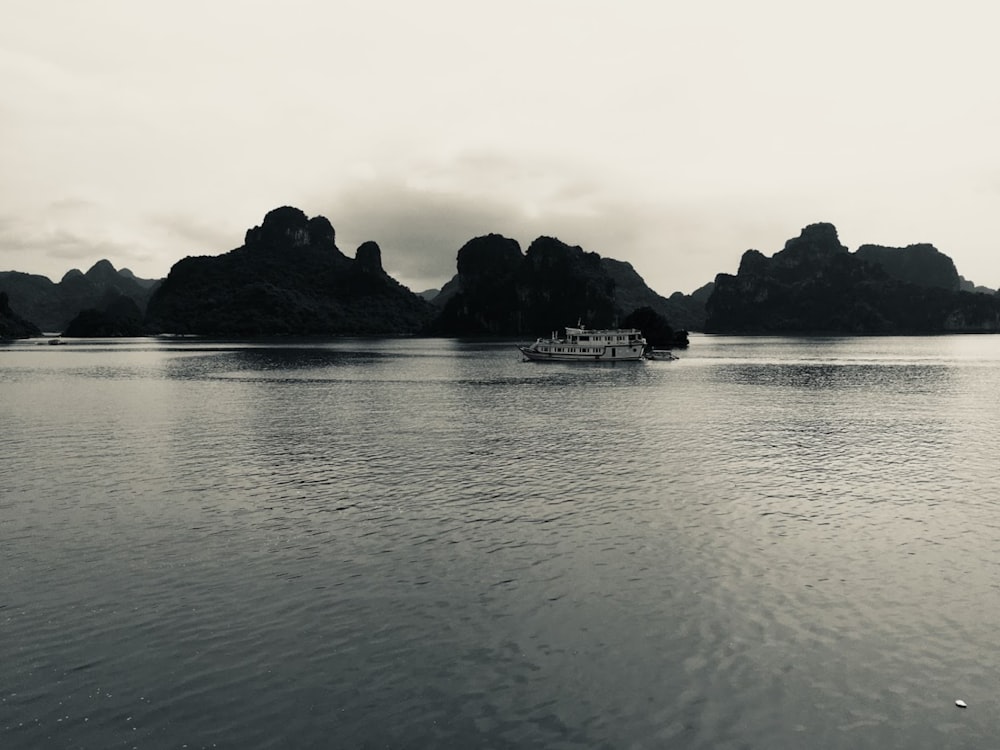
(671, 138)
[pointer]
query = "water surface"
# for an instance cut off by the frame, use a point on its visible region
(769, 543)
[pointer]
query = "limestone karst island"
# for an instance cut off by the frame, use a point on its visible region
(290, 278)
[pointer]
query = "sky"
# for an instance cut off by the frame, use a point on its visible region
(672, 135)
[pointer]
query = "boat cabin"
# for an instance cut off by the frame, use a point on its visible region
(602, 337)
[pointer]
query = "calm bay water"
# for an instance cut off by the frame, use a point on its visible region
(769, 543)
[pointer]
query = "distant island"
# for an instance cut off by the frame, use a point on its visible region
(290, 278)
(12, 325)
(815, 285)
(51, 307)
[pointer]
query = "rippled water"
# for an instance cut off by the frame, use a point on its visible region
(769, 543)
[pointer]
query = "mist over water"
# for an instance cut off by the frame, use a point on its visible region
(769, 543)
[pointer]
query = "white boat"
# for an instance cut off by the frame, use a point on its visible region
(588, 345)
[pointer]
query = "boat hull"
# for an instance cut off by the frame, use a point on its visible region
(537, 355)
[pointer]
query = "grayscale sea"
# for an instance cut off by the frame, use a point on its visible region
(412, 543)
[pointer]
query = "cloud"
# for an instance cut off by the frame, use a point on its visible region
(422, 213)
(54, 251)
(54, 247)
(191, 235)
(419, 232)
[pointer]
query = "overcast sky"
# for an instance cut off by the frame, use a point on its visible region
(673, 135)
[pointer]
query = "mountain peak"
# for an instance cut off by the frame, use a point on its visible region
(102, 270)
(369, 256)
(815, 239)
(288, 228)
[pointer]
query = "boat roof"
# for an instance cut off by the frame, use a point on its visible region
(600, 331)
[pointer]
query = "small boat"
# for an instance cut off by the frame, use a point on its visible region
(664, 354)
(588, 345)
